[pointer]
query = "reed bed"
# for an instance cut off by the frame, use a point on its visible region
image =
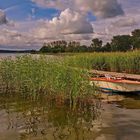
(128, 62)
(29, 76)
(65, 76)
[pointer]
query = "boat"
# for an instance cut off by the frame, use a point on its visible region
(109, 83)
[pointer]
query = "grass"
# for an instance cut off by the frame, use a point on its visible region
(128, 62)
(29, 76)
(61, 76)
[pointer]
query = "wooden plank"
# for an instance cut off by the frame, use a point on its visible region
(115, 74)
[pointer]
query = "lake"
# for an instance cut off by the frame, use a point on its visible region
(4, 55)
(112, 117)
(49, 119)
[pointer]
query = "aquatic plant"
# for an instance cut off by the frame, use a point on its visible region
(65, 76)
(31, 76)
(128, 62)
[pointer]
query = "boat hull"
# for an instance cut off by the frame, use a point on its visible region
(115, 86)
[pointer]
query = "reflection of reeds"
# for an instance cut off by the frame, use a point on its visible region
(43, 117)
(34, 76)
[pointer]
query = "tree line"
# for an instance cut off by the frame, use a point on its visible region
(118, 43)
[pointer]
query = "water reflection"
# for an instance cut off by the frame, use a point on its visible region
(47, 120)
(115, 118)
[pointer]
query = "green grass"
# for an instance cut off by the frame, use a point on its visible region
(128, 62)
(64, 76)
(29, 76)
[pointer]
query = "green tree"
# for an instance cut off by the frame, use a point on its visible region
(73, 46)
(106, 47)
(46, 48)
(136, 39)
(121, 43)
(96, 44)
(136, 33)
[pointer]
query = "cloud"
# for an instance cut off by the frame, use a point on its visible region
(70, 25)
(124, 22)
(100, 8)
(12, 37)
(129, 6)
(69, 22)
(3, 19)
(105, 29)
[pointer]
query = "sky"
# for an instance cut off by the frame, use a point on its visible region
(27, 24)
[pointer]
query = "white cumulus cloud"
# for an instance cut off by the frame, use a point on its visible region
(70, 25)
(69, 22)
(114, 17)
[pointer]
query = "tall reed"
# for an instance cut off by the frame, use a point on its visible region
(30, 76)
(63, 76)
(128, 62)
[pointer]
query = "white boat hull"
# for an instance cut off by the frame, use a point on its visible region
(118, 87)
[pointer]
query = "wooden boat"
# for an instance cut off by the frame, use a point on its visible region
(116, 84)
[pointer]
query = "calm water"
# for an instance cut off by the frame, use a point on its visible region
(4, 55)
(50, 119)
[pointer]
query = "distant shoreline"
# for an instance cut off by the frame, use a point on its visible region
(17, 51)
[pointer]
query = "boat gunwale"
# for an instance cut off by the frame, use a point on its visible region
(123, 81)
(116, 74)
